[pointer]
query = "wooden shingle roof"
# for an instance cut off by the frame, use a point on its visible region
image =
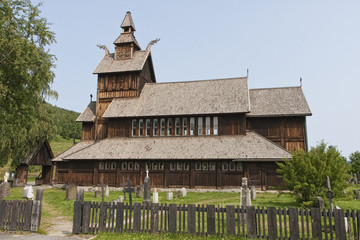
(75, 148)
(89, 114)
(184, 98)
(249, 147)
(288, 101)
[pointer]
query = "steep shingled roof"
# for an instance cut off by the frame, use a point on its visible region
(75, 148)
(249, 147)
(89, 114)
(108, 64)
(288, 101)
(185, 98)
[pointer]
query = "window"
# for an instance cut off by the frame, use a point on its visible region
(141, 127)
(107, 165)
(232, 166)
(137, 166)
(154, 166)
(147, 166)
(113, 165)
(184, 132)
(155, 127)
(205, 166)
(130, 165)
(101, 165)
(148, 127)
(192, 126)
(207, 125)
(216, 125)
(225, 166)
(186, 166)
(179, 166)
(134, 127)
(162, 125)
(177, 126)
(124, 165)
(239, 166)
(169, 126)
(212, 166)
(200, 125)
(172, 166)
(198, 166)
(161, 166)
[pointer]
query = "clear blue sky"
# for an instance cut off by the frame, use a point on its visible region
(279, 41)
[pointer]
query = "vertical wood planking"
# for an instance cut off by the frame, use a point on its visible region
(191, 218)
(294, 224)
(340, 231)
(3, 214)
(325, 224)
(172, 218)
(210, 219)
(316, 223)
(154, 218)
(14, 215)
(27, 214)
(137, 217)
(86, 217)
(230, 220)
(272, 223)
(77, 217)
(120, 217)
(102, 217)
(251, 222)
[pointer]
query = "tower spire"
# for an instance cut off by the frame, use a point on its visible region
(128, 24)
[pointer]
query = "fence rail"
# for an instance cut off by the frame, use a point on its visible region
(251, 222)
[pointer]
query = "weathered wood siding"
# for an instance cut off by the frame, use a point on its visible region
(88, 131)
(232, 124)
(120, 127)
(288, 132)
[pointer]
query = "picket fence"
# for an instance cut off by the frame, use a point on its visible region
(17, 215)
(249, 222)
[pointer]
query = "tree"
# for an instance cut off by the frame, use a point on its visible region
(25, 79)
(306, 172)
(355, 162)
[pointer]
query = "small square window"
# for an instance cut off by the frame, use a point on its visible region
(107, 165)
(205, 166)
(225, 166)
(232, 166)
(124, 165)
(101, 165)
(172, 166)
(154, 166)
(198, 166)
(130, 166)
(186, 166)
(113, 165)
(239, 166)
(136, 166)
(179, 166)
(212, 166)
(161, 166)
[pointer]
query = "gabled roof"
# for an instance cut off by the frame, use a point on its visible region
(75, 148)
(108, 64)
(127, 38)
(128, 21)
(45, 156)
(184, 98)
(288, 101)
(89, 114)
(249, 147)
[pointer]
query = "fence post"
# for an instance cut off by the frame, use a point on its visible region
(251, 222)
(102, 216)
(272, 223)
(340, 231)
(316, 223)
(35, 212)
(210, 219)
(14, 214)
(77, 217)
(294, 223)
(85, 217)
(120, 217)
(154, 218)
(27, 215)
(172, 218)
(230, 220)
(2, 214)
(39, 197)
(191, 218)
(137, 217)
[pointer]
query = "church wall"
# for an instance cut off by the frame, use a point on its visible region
(88, 131)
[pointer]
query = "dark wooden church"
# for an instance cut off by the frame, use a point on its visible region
(206, 134)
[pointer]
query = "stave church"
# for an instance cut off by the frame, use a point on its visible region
(195, 134)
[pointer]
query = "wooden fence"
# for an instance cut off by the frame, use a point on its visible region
(250, 222)
(17, 215)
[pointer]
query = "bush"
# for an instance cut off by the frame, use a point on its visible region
(306, 172)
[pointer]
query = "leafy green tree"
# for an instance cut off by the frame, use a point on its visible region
(25, 79)
(306, 172)
(355, 162)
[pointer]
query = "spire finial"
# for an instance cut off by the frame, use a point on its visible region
(128, 24)
(247, 72)
(91, 97)
(300, 81)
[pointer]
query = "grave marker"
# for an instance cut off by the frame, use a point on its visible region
(107, 191)
(253, 193)
(4, 190)
(140, 191)
(129, 190)
(155, 196)
(71, 191)
(28, 192)
(169, 196)
(183, 192)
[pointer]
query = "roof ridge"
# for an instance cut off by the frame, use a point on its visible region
(254, 89)
(196, 81)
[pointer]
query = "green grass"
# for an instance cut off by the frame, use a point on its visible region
(59, 145)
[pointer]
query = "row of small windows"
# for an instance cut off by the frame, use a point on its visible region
(164, 126)
(174, 166)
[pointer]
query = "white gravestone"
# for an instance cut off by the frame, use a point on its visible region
(169, 196)
(155, 196)
(183, 192)
(106, 191)
(6, 176)
(253, 193)
(28, 192)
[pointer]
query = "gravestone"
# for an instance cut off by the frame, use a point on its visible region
(28, 192)
(169, 196)
(357, 194)
(97, 193)
(106, 191)
(80, 195)
(4, 190)
(253, 193)
(129, 190)
(320, 203)
(177, 194)
(245, 198)
(183, 192)
(140, 191)
(6, 176)
(155, 196)
(71, 192)
(147, 188)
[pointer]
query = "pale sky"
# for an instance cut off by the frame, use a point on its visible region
(278, 41)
